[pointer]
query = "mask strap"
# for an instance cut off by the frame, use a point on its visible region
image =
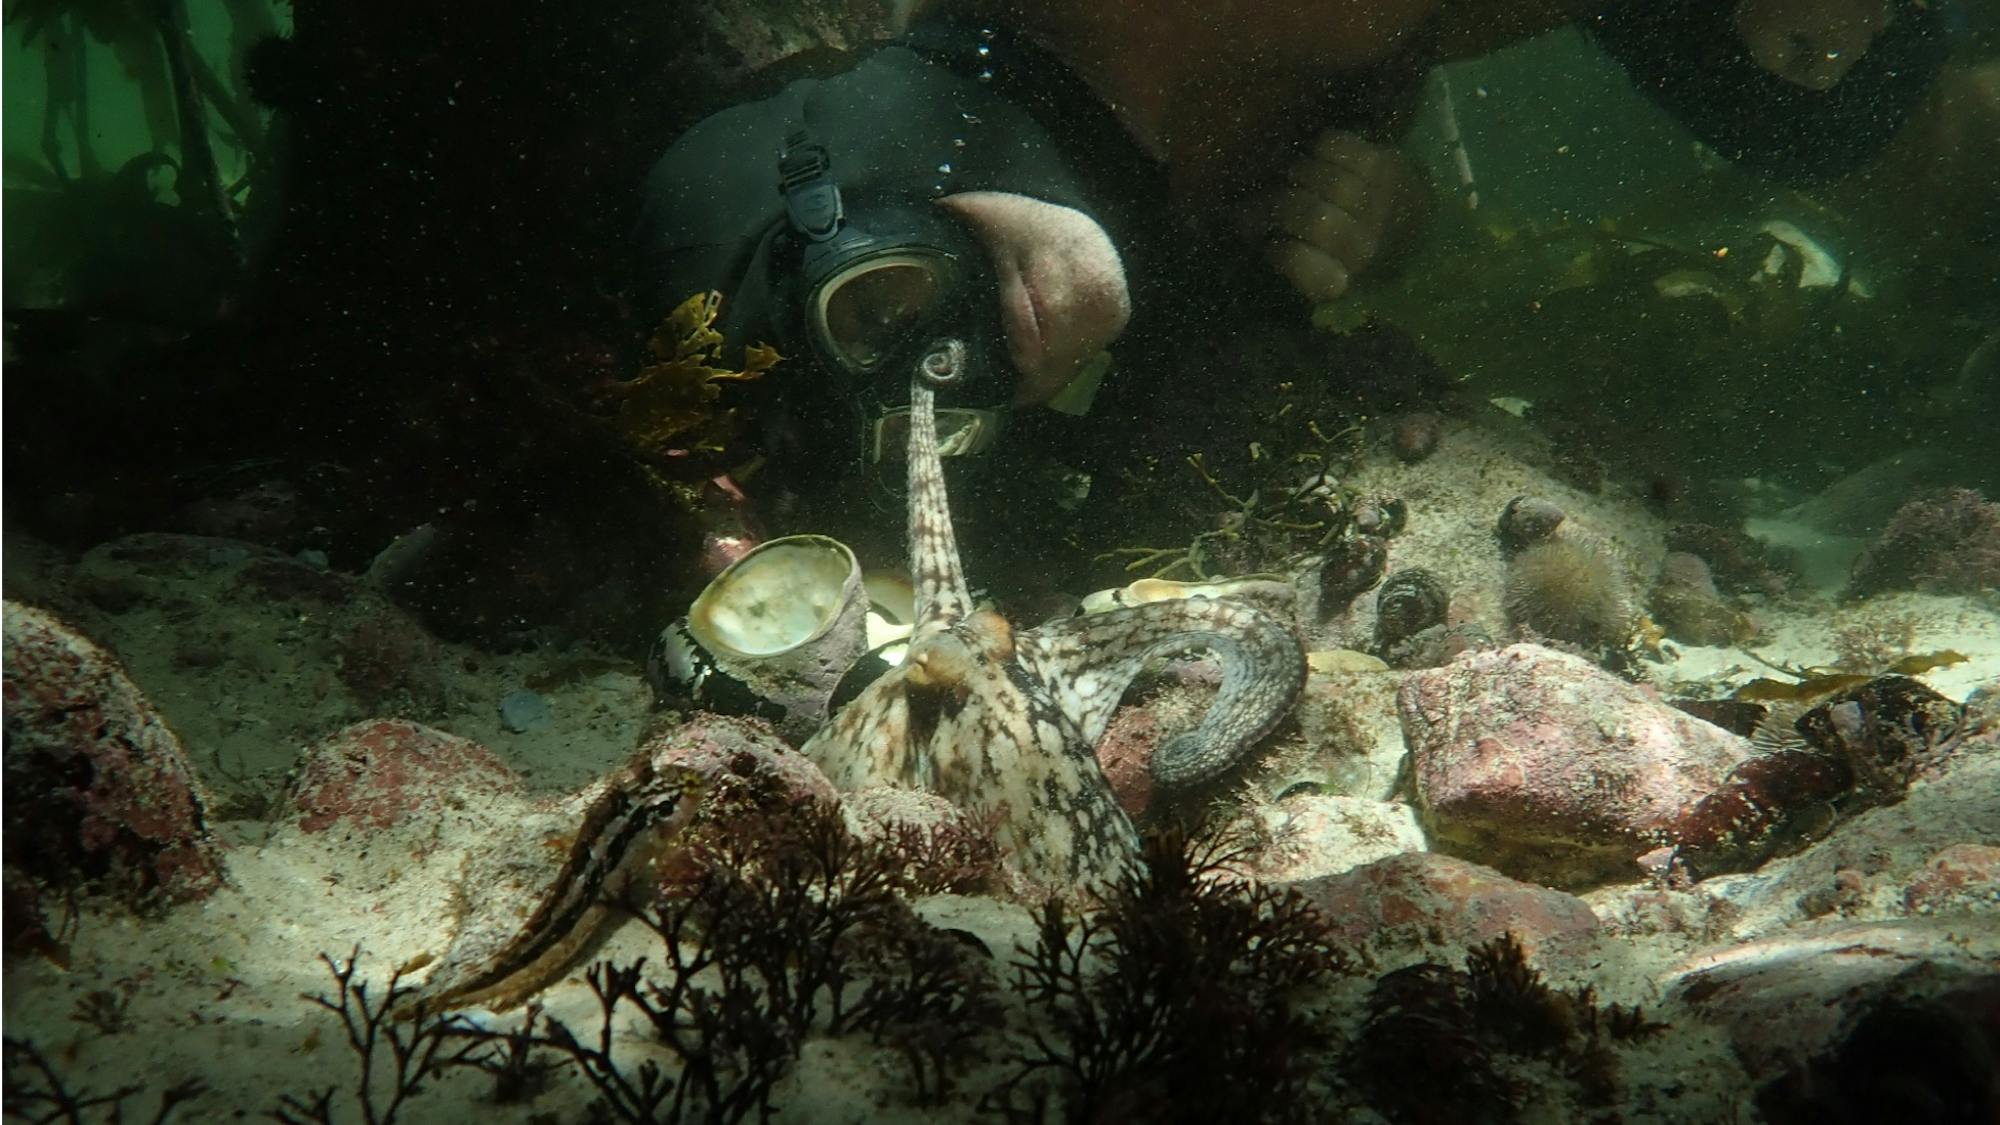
(805, 179)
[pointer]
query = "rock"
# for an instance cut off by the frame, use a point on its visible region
(743, 760)
(1787, 999)
(1158, 708)
(1945, 542)
(724, 41)
(1124, 753)
(374, 775)
(99, 791)
(1961, 879)
(1319, 834)
(1931, 1057)
(1685, 602)
(1348, 720)
(1551, 769)
(1414, 436)
(1423, 897)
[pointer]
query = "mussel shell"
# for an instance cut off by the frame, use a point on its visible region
(1525, 521)
(1353, 565)
(1409, 602)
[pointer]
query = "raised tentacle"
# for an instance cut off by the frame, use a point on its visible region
(943, 598)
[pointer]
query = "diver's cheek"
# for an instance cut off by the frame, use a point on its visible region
(1077, 301)
(1063, 292)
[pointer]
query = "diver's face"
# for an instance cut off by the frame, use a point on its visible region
(1810, 43)
(1063, 294)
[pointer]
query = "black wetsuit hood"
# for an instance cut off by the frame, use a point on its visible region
(1687, 56)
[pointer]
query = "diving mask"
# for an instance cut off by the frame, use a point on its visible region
(866, 293)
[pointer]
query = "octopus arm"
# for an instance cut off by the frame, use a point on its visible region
(1088, 662)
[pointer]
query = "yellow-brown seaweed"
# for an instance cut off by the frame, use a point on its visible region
(672, 403)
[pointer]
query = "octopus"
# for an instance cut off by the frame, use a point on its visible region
(989, 717)
(1004, 720)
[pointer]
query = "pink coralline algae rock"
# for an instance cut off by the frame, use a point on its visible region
(730, 39)
(1424, 897)
(1963, 878)
(375, 774)
(1551, 769)
(99, 790)
(741, 759)
(1155, 712)
(1125, 752)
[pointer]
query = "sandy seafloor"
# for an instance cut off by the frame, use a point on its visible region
(215, 988)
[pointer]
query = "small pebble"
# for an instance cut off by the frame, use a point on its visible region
(523, 711)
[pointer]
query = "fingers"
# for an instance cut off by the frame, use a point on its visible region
(1332, 216)
(1349, 150)
(1338, 218)
(1311, 271)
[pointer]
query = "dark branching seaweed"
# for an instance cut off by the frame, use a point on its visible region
(415, 1050)
(1419, 1057)
(104, 1009)
(957, 856)
(1432, 1048)
(1174, 1000)
(789, 927)
(520, 1068)
(35, 1092)
(1510, 1002)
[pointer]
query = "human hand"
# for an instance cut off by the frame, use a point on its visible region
(1346, 205)
(1810, 43)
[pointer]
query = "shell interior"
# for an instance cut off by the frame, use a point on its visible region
(783, 594)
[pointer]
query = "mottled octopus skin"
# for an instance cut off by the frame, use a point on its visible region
(996, 720)
(638, 816)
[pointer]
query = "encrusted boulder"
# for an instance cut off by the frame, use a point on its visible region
(375, 775)
(99, 791)
(1317, 834)
(1124, 753)
(1918, 994)
(1420, 898)
(1158, 708)
(741, 759)
(726, 40)
(1551, 769)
